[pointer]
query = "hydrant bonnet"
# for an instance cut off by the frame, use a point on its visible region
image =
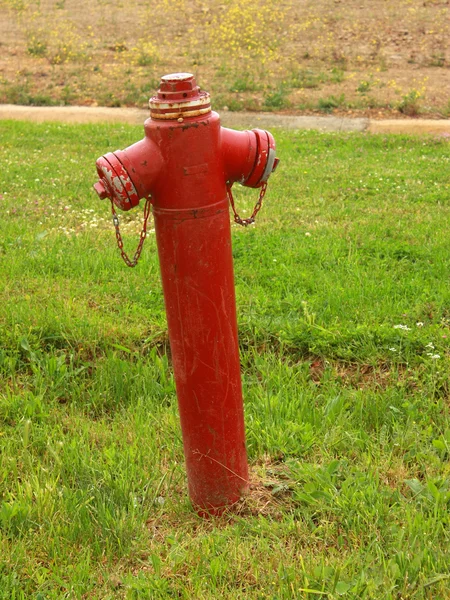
(178, 97)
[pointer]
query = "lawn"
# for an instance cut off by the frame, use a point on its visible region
(344, 321)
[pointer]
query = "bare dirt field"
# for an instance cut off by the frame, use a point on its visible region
(372, 58)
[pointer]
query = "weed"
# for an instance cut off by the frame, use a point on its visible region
(306, 79)
(277, 99)
(109, 99)
(119, 47)
(336, 75)
(244, 83)
(36, 47)
(446, 111)
(411, 103)
(236, 30)
(144, 54)
(310, 79)
(438, 60)
(330, 103)
(67, 95)
(234, 104)
(364, 86)
(20, 94)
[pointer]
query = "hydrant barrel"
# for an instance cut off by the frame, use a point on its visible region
(197, 273)
(187, 162)
(193, 235)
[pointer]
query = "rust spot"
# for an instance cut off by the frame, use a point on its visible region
(195, 169)
(189, 125)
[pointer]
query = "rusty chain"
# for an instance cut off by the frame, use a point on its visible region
(137, 254)
(249, 220)
(237, 219)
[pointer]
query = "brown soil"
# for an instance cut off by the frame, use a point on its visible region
(375, 58)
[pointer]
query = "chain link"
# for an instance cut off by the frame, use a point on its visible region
(237, 219)
(137, 254)
(250, 220)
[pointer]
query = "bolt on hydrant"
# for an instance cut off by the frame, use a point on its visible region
(184, 168)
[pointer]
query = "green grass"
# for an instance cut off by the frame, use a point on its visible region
(347, 414)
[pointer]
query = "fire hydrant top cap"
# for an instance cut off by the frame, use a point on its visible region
(177, 77)
(178, 97)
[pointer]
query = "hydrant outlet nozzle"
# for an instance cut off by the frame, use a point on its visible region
(115, 182)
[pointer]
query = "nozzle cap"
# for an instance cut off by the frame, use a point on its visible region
(115, 182)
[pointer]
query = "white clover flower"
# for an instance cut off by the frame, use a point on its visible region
(402, 327)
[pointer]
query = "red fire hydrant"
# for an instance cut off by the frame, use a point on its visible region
(185, 166)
